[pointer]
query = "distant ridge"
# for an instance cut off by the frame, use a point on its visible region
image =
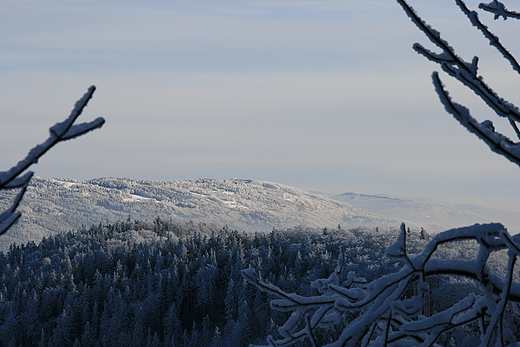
(432, 215)
(57, 205)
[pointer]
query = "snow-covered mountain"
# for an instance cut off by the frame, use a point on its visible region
(432, 215)
(54, 205)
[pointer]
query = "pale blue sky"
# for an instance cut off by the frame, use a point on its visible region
(322, 95)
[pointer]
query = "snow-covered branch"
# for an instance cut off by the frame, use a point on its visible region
(467, 73)
(499, 10)
(399, 309)
(492, 38)
(485, 130)
(66, 130)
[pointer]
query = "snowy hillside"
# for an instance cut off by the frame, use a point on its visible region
(54, 205)
(433, 216)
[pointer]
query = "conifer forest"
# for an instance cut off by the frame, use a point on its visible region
(167, 283)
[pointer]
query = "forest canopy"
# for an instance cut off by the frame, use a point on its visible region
(167, 283)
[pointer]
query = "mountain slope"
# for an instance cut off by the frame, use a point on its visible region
(55, 205)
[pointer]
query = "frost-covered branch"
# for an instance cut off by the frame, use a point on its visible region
(399, 309)
(492, 38)
(15, 177)
(467, 73)
(10, 216)
(499, 10)
(498, 142)
(394, 310)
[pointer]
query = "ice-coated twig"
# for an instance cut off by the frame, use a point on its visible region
(66, 130)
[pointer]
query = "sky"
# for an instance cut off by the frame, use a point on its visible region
(326, 96)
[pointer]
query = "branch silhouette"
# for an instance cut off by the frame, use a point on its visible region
(15, 176)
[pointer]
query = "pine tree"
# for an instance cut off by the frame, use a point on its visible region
(207, 331)
(216, 340)
(230, 303)
(63, 334)
(89, 336)
(172, 323)
(139, 332)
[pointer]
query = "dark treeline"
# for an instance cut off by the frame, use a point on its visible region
(166, 283)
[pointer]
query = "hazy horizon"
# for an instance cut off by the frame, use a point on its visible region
(325, 96)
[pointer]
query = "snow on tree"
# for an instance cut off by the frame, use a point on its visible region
(393, 310)
(15, 178)
(399, 309)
